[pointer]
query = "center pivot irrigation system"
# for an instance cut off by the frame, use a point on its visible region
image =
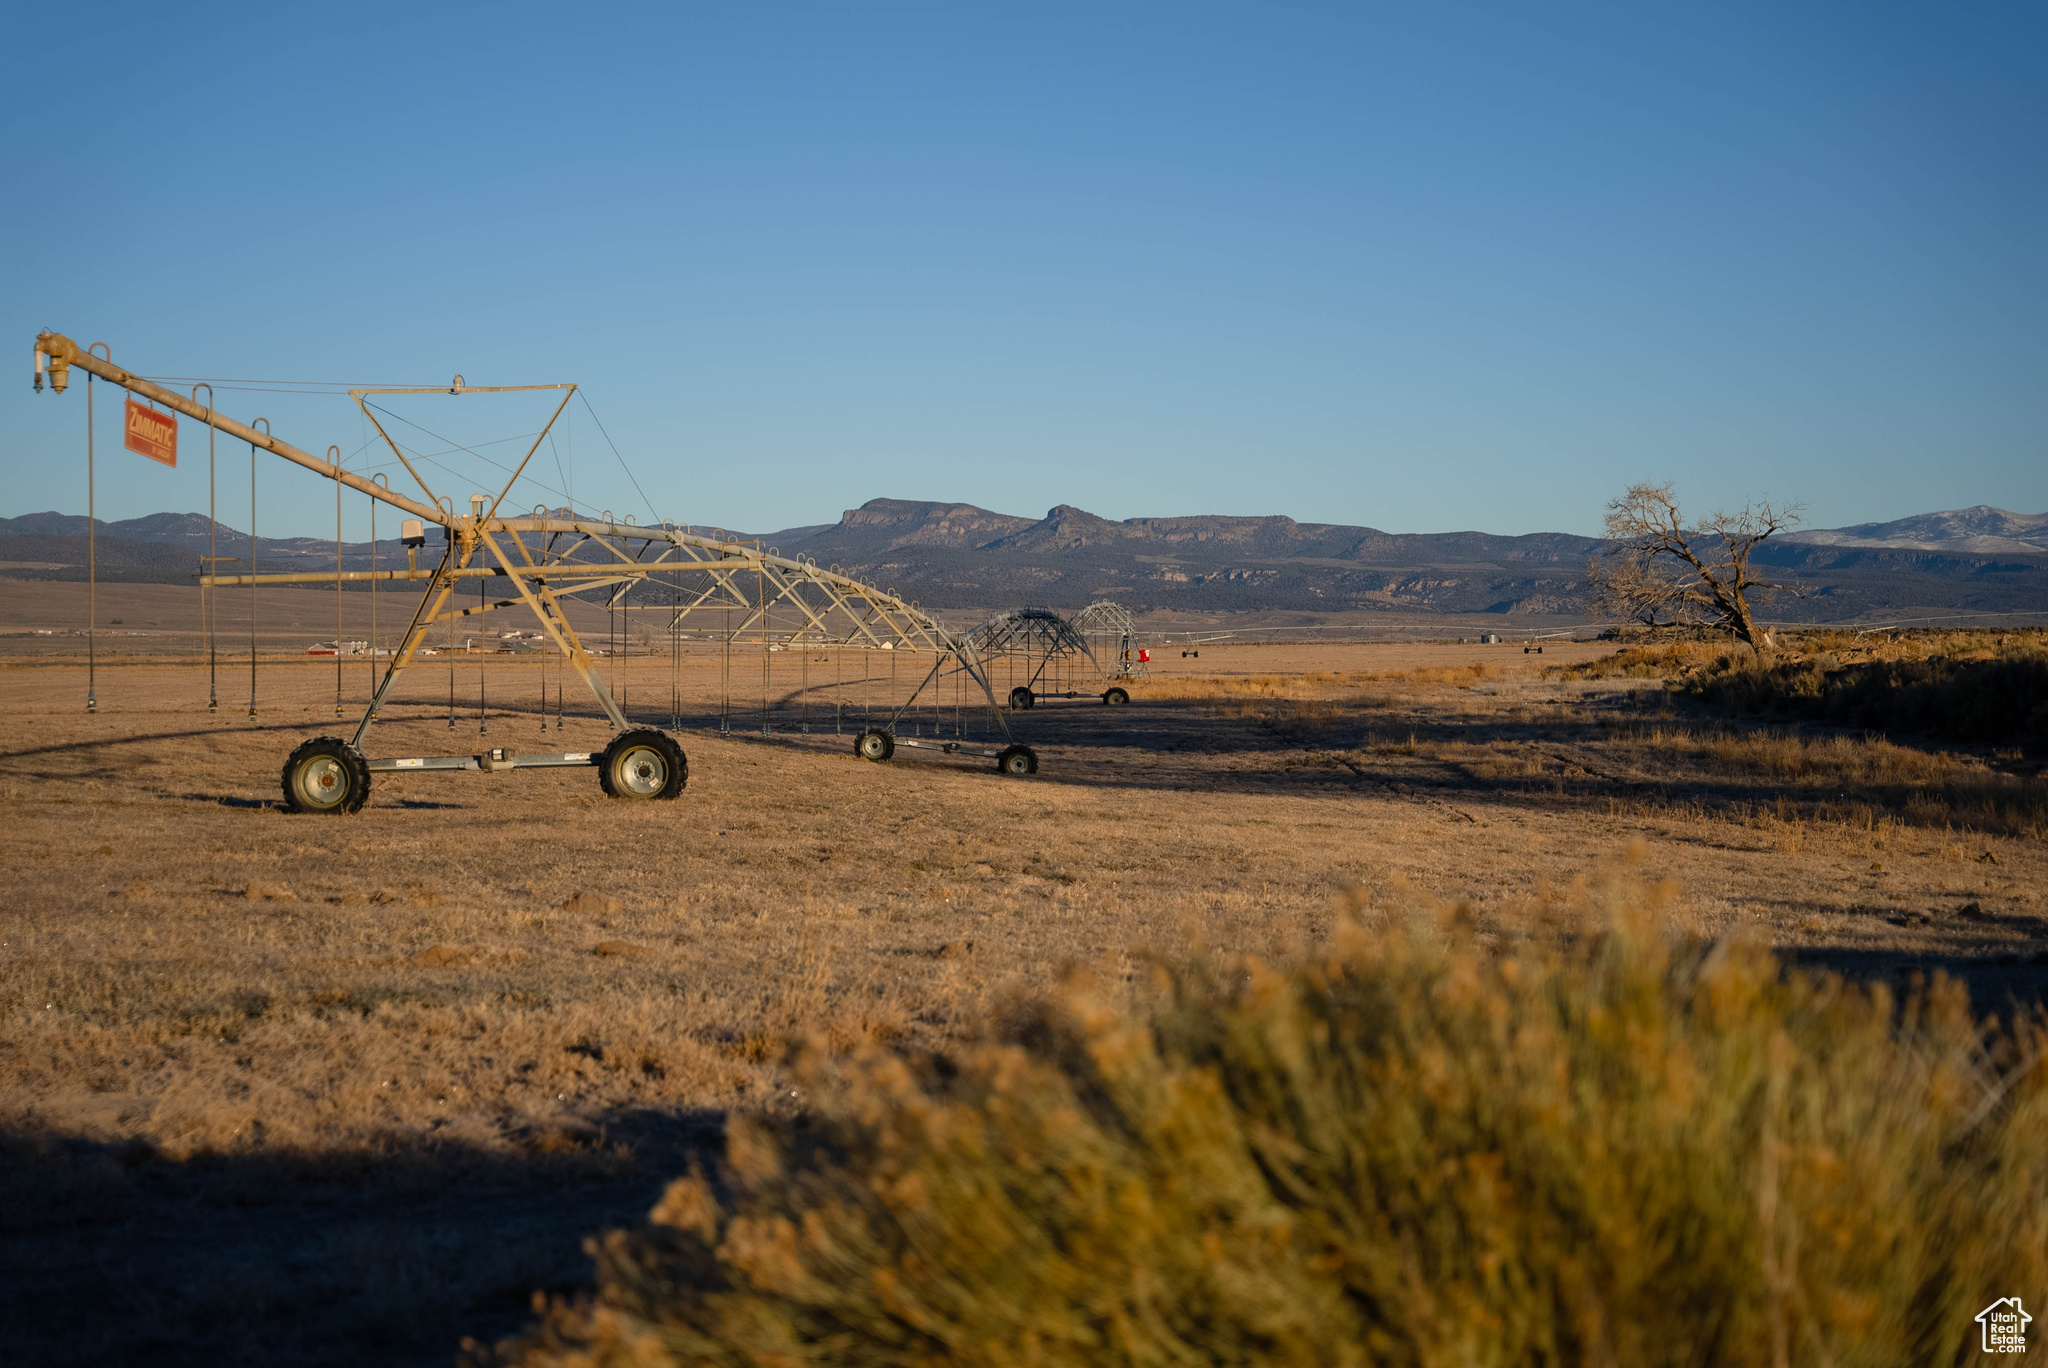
(1051, 649)
(543, 559)
(1053, 654)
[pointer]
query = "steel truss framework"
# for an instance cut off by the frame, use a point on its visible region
(1106, 627)
(1049, 649)
(539, 560)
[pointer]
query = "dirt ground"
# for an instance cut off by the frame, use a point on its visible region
(319, 1089)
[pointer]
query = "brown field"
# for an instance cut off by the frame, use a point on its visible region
(313, 1090)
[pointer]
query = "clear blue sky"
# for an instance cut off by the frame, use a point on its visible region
(1425, 267)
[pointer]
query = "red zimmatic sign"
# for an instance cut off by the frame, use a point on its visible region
(152, 433)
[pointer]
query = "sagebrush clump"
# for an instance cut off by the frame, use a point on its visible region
(1644, 662)
(1977, 696)
(1596, 1144)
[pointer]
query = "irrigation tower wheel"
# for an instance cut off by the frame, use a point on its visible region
(1116, 697)
(643, 764)
(874, 744)
(1017, 760)
(1021, 697)
(326, 774)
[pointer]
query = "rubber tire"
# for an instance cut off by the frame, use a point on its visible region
(1017, 760)
(1021, 698)
(1116, 697)
(874, 744)
(611, 765)
(355, 773)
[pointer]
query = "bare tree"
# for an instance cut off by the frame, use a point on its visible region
(1662, 573)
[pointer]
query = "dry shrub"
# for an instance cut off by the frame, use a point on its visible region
(1460, 676)
(1931, 787)
(1600, 1145)
(1231, 688)
(1312, 683)
(1985, 694)
(1642, 662)
(1301, 721)
(619, 947)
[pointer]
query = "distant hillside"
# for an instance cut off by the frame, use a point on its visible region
(34, 556)
(955, 555)
(1979, 531)
(883, 525)
(183, 530)
(958, 556)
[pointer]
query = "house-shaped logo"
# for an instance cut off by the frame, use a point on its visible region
(2005, 1326)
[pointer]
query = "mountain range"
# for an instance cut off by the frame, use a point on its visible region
(1979, 531)
(959, 556)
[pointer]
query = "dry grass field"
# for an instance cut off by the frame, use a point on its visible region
(278, 1088)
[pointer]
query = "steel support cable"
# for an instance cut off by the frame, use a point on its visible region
(467, 448)
(233, 388)
(561, 474)
(211, 381)
(475, 450)
(455, 446)
(367, 444)
(432, 458)
(622, 460)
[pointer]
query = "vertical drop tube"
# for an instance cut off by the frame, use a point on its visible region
(209, 599)
(252, 581)
(373, 601)
(334, 454)
(92, 572)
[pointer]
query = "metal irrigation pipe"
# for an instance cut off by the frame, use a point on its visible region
(207, 623)
(265, 431)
